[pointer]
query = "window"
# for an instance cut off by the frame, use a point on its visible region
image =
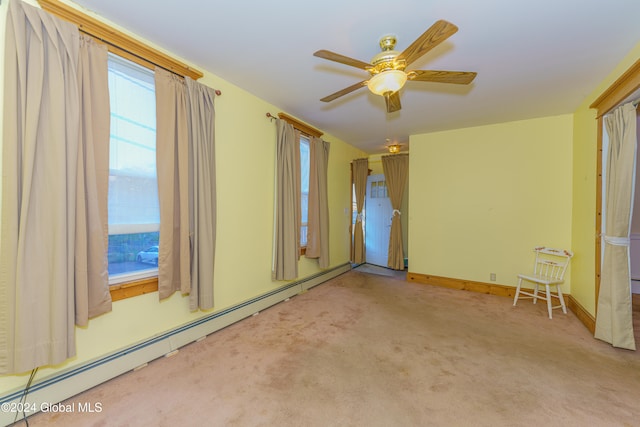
(126, 46)
(304, 188)
(134, 216)
(306, 133)
(378, 190)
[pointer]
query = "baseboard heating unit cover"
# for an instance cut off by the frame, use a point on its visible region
(67, 383)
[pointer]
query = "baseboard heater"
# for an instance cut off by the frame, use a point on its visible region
(68, 383)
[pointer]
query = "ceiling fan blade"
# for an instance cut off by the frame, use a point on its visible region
(436, 34)
(344, 91)
(331, 56)
(393, 101)
(456, 77)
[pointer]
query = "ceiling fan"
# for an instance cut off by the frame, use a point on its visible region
(387, 68)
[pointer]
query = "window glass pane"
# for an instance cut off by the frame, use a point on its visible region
(303, 236)
(133, 190)
(304, 188)
(132, 252)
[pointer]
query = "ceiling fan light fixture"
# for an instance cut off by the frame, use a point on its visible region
(387, 81)
(393, 148)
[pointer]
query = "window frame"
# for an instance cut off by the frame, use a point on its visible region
(138, 282)
(129, 70)
(304, 140)
(129, 48)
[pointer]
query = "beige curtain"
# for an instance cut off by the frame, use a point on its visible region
(318, 220)
(172, 163)
(286, 245)
(395, 172)
(360, 170)
(614, 323)
(49, 195)
(202, 192)
(92, 296)
(185, 160)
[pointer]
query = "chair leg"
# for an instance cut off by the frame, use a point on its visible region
(535, 293)
(549, 306)
(561, 298)
(515, 299)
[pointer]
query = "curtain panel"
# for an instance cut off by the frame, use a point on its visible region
(185, 156)
(395, 171)
(92, 296)
(286, 241)
(202, 192)
(360, 171)
(614, 321)
(172, 162)
(52, 242)
(318, 220)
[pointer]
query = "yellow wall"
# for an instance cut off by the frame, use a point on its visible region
(584, 188)
(584, 204)
(482, 198)
(245, 159)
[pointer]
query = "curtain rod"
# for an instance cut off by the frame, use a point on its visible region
(119, 42)
(299, 126)
(303, 128)
(116, 40)
(217, 91)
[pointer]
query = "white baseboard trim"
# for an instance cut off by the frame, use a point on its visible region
(68, 383)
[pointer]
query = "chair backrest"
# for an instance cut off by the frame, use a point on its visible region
(551, 262)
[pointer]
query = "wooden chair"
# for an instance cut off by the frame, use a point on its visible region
(548, 270)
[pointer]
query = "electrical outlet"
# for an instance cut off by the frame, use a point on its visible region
(492, 276)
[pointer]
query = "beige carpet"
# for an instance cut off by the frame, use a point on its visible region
(370, 350)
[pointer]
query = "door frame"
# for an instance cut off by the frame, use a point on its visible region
(352, 200)
(620, 90)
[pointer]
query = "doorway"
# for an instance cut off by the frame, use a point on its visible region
(625, 89)
(378, 222)
(616, 290)
(634, 250)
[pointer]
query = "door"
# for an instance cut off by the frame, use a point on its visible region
(377, 221)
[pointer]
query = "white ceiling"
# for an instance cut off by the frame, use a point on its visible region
(533, 59)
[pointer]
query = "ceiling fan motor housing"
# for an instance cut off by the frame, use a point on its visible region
(386, 60)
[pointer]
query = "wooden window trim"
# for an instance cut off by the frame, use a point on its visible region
(623, 87)
(302, 127)
(118, 42)
(134, 288)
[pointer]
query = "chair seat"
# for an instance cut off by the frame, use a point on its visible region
(539, 278)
